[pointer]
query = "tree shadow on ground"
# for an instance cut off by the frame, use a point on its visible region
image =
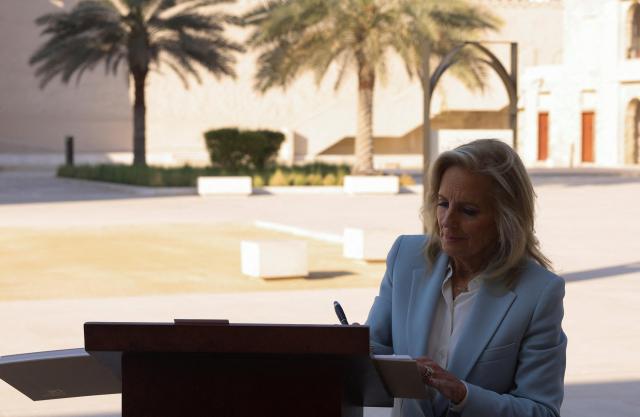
(29, 187)
(606, 272)
(583, 180)
(564, 176)
(615, 399)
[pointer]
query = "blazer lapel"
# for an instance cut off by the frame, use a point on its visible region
(425, 289)
(489, 310)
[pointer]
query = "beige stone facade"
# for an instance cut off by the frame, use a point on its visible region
(316, 119)
(591, 100)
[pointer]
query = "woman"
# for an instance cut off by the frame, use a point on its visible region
(474, 301)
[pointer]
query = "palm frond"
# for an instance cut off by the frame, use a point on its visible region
(179, 61)
(276, 68)
(77, 40)
(309, 35)
(137, 32)
(188, 21)
(444, 25)
(195, 39)
(176, 68)
(120, 6)
(345, 62)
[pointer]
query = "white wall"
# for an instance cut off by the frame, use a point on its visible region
(627, 79)
(441, 140)
(595, 76)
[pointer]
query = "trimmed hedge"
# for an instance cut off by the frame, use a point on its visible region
(232, 149)
(187, 176)
(134, 175)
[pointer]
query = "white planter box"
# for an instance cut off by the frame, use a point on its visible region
(224, 185)
(274, 258)
(367, 244)
(371, 184)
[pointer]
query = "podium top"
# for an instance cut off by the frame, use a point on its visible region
(227, 338)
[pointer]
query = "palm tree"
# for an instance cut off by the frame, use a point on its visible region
(184, 35)
(295, 36)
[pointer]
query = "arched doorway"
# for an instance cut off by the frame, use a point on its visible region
(632, 133)
(633, 31)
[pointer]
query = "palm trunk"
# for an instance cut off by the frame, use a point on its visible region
(139, 119)
(364, 128)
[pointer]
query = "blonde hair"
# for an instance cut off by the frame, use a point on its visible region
(513, 204)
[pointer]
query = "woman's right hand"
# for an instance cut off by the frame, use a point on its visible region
(444, 381)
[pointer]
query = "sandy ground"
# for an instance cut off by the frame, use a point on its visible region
(118, 261)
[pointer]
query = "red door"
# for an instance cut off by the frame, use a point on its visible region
(587, 136)
(543, 136)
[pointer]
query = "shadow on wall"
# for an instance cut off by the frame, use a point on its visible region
(301, 144)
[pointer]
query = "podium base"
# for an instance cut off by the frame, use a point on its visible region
(199, 385)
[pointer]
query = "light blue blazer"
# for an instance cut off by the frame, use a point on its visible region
(512, 350)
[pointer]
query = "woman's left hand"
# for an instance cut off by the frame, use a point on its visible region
(440, 379)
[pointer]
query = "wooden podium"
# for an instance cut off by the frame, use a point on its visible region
(195, 369)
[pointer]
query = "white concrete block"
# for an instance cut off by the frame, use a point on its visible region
(367, 244)
(274, 258)
(224, 185)
(371, 184)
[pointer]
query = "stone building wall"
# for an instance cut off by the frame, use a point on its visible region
(97, 111)
(597, 75)
(34, 122)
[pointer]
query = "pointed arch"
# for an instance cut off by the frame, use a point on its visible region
(509, 79)
(632, 133)
(633, 32)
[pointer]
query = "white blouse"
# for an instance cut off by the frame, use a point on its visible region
(449, 321)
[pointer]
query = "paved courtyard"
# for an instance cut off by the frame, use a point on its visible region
(75, 251)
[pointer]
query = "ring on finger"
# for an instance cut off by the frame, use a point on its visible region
(428, 371)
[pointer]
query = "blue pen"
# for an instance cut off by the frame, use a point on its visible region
(340, 313)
